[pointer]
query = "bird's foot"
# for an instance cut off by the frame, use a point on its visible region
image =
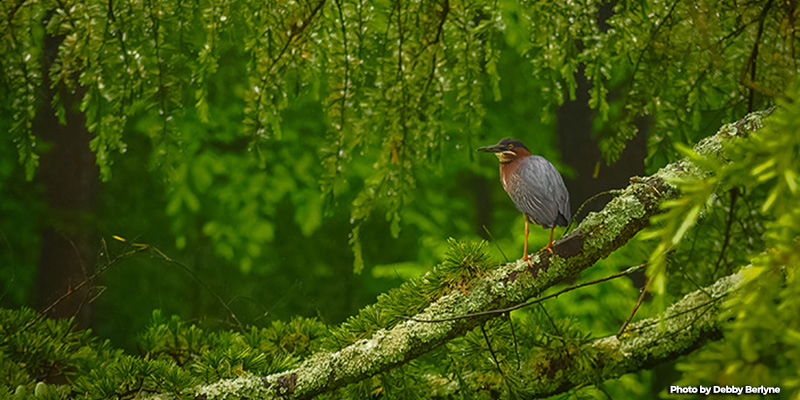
(549, 248)
(527, 257)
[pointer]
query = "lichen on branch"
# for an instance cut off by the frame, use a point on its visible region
(683, 327)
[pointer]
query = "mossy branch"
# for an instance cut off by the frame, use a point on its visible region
(596, 237)
(684, 326)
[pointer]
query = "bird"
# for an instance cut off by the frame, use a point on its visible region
(534, 185)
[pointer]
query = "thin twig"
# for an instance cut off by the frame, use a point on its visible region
(635, 308)
(731, 215)
(136, 248)
(646, 324)
(650, 39)
(491, 237)
(559, 335)
(491, 351)
(202, 283)
(525, 304)
(751, 64)
(514, 338)
(295, 31)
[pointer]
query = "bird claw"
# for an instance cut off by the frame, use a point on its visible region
(549, 248)
(527, 258)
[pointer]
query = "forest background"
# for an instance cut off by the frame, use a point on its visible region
(264, 165)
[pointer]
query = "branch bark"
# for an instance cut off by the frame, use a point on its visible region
(596, 237)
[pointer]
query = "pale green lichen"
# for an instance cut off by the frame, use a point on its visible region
(555, 271)
(610, 345)
(683, 322)
(248, 385)
(728, 130)
(519, 283)
(627, 206)
(714, 145)
(749, 123)
(389, 346)
(315, 369)
(601, 228)
(711, 145)
(755, 120)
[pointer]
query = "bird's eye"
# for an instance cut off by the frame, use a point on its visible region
(510, 146)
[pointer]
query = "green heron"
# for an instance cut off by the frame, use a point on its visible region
(534, 185)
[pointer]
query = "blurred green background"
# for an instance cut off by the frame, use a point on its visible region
(301, 158)
(258, 230)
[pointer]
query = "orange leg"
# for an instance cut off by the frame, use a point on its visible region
(525, 249)
(549, 246)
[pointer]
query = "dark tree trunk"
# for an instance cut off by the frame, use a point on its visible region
(70, 177)
(579, 148)
(580, 151)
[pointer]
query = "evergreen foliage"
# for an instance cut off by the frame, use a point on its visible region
(463, 262)
(229, 129)
(761, 342)
(175, 356)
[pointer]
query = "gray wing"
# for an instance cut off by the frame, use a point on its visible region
(539, 192)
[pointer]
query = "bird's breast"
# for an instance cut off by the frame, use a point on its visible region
(506, 170)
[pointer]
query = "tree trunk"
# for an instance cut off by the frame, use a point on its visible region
(70, 179)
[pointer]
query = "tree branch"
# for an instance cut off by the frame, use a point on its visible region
(537, 300)
(683, 327)
(596, 237)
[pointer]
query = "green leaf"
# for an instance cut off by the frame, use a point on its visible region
(688, 222)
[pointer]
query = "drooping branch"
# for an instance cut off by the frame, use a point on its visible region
(596, 237)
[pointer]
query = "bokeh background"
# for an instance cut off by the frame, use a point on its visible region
(300, 158)
(259, 232)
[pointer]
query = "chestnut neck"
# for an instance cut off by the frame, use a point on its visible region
(519, 154)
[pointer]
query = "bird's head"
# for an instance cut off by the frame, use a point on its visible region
(507, 150)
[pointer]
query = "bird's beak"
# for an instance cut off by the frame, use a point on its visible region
(491, 149)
